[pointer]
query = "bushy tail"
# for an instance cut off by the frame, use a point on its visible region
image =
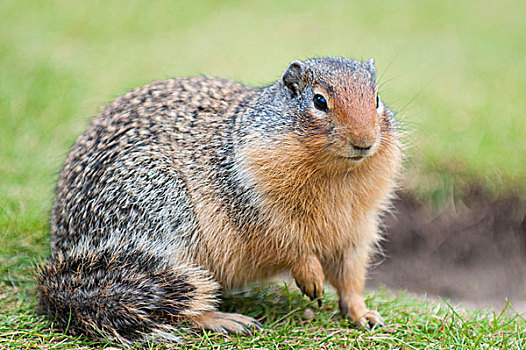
(121, 296)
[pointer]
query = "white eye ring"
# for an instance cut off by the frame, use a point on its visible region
(379, 104)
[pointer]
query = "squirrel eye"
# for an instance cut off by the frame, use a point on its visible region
(320, 103)
(377, 101)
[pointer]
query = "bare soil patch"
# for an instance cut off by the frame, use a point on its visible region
(472, 251)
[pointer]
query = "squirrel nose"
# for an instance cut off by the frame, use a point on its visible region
(362, 140)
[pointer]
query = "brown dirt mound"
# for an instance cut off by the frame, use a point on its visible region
(472, 251)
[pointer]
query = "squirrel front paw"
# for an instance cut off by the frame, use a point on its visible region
(309, 277)
(354, 308)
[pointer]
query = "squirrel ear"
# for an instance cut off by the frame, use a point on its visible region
(294, 77)
(371, 67)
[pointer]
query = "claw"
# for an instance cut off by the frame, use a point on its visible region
(313, 296)
(380, 324)
(362, 323)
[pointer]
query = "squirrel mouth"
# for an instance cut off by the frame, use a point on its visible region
(354, 155)
(352, 158)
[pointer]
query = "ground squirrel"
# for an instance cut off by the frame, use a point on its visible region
(185, 186)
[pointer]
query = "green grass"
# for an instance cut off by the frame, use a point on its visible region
(454, 69)
(412, 324)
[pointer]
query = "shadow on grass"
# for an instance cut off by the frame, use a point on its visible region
(269, 303)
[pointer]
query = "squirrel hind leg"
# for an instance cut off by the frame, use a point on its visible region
(223, 322)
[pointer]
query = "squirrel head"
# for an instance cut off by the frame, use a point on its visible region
(335, 99)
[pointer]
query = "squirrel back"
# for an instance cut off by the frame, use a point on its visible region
(185, 184)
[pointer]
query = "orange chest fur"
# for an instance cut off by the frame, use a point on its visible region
(318, 205)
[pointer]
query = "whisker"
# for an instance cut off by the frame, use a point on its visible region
(383, 83)
(326, 147)
(387, 68)
(346, 173)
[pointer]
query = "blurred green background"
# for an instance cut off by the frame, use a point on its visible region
(455, 70)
